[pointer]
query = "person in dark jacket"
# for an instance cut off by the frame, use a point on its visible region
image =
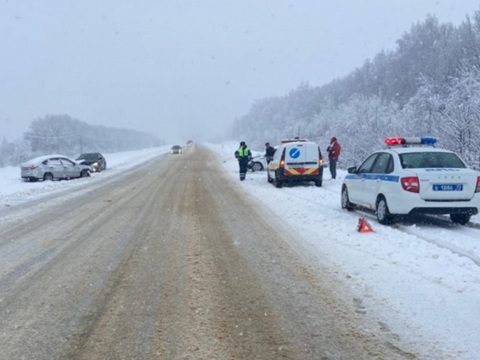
(269, 152)
(333, 153)
(243, 156)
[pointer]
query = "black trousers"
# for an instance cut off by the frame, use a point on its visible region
(243, 164)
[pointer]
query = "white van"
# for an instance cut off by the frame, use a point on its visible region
(296, 161)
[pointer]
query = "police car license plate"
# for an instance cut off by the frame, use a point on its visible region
(448, 187)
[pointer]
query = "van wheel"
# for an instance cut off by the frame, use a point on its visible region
(278, 183)
(383, 214)
(461, 219)
(318, 182)
(269, 178)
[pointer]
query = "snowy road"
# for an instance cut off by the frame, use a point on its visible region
(179, 259)
(419, 278)
(169, 262)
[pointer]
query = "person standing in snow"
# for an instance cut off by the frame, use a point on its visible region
(243, 156)
(269, 152)
(333, 153)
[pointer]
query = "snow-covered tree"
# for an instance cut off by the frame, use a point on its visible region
(460, 122)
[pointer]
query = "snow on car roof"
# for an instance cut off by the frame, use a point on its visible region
(44, 157)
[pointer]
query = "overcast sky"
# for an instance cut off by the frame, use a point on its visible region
(185, 69)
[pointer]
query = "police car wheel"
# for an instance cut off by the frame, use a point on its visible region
(383, 214)
(345, 200)
(460, 218)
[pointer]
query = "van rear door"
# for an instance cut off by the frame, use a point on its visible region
(295, 155)
(301, 159)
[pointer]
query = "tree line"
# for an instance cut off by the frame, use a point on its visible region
(61, 134)
(428, 86)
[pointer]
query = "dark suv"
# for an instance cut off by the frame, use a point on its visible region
(95, 160)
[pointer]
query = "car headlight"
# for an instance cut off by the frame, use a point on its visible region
(96, 165)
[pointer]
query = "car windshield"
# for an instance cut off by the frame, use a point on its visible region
(432, 159)
(88, 156)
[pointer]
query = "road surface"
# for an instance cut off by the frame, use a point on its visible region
(170, 262)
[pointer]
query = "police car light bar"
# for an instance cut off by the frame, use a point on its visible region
(410, 141)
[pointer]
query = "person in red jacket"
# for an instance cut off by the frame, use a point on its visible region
(333, 153)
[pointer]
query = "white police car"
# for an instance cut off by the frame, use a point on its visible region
(406, 180)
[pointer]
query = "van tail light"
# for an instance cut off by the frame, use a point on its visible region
(412, 184)
(281, 164)
(477, 188)
(320, 158)
(320, 161)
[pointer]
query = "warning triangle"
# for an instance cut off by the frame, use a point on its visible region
(364, 226)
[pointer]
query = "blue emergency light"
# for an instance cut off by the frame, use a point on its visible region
(428, 140)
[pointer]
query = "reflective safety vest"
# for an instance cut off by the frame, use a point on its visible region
(243, 152)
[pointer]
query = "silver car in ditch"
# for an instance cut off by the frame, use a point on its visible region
(53, 167)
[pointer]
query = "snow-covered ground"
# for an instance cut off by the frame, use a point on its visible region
(13, 190)
(420, 280)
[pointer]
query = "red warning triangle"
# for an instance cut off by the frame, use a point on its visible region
(364, 226)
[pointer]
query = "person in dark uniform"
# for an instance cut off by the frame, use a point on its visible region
(269, 152)
(243, 156)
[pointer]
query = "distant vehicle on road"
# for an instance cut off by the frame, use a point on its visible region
(176, 149)
(95, 160)
(53, 167)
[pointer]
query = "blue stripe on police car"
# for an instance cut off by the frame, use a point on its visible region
(381, 177)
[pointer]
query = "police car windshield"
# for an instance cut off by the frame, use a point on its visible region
(431, 160)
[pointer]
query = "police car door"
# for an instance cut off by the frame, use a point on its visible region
(357, 181)
(378, 178)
